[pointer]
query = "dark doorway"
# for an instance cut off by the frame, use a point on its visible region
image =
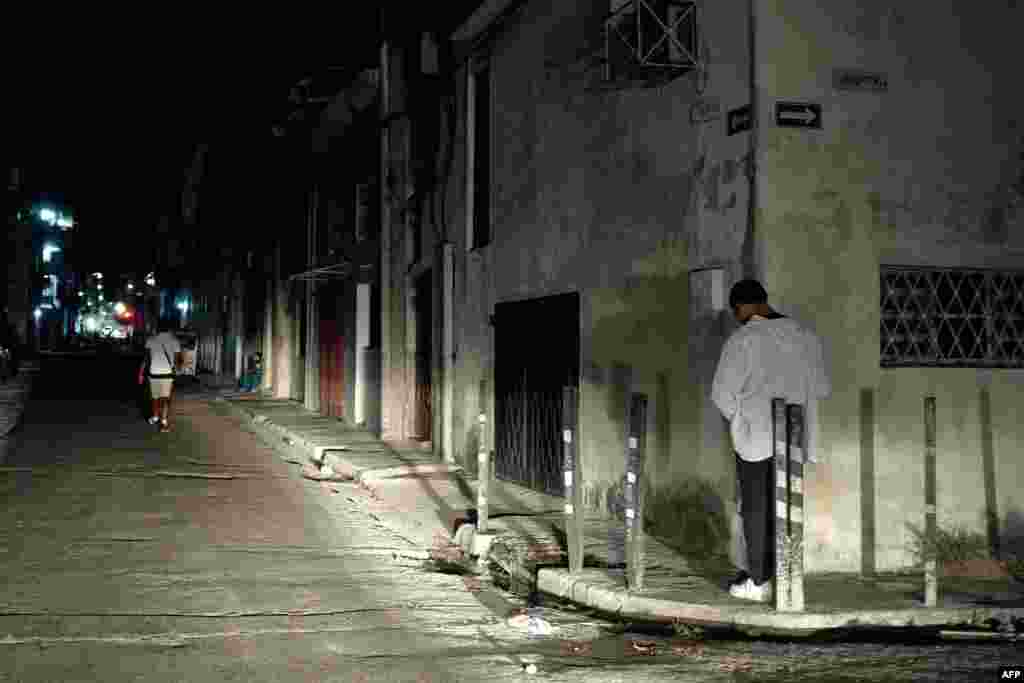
(332, 350)
(537, 349)
(424, 305)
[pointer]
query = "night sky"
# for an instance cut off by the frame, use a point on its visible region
(107, 114)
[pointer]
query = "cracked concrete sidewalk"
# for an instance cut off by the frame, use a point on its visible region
(424, 498)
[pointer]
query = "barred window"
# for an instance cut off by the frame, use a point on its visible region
(952, 317)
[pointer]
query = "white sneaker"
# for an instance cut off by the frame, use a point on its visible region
(748, 590)
(153, 420)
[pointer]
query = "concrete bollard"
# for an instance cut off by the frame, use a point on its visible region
(931, 573)
(636, 556)
(483, 479)
(788, 436)
(571, 475)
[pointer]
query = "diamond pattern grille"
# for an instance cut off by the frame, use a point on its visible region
(952, 317)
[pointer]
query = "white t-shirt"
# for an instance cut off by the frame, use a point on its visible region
(161, 347)
(768, 359)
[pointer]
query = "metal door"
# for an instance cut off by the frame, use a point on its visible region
(536, 355)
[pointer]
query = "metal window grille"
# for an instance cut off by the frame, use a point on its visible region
(650, 35)
(952, 317)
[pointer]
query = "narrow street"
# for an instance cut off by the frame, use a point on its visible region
(200, 555)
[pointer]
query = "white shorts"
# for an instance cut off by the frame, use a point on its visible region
(160, 388)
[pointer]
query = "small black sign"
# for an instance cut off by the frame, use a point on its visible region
(798, 114)
(739, 120)
(857, 80)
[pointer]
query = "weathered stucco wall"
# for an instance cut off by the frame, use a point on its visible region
(927, 173)
(619, 195)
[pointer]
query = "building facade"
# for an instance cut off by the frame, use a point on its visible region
(530, 198)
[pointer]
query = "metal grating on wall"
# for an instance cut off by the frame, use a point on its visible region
(952, 317)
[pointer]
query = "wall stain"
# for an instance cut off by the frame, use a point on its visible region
(711, 180)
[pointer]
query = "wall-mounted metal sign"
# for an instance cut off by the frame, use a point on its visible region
(739, 120)
(798, 114)
(857, 80)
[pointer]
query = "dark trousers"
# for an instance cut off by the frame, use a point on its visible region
(757, 493)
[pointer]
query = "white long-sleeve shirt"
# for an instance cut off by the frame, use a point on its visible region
(766, 359)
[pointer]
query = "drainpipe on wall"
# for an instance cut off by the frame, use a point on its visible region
(312, 375)
(268, 329)
(750, 258)
(447, 351)
(386, 392)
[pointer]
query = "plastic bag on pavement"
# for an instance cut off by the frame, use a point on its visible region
(532, 623)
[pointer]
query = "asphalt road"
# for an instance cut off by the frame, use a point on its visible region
(200, 555)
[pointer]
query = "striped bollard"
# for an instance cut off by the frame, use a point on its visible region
(483, 463)
(931, 574)
(636, 557)
(571, 478)
(788, 449)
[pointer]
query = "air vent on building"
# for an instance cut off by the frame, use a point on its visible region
(650, 41)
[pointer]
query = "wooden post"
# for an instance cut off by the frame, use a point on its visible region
(931, 578)
(636, 557)
(572, 480)
(483, 477)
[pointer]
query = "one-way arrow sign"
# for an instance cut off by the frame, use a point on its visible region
(798, 114)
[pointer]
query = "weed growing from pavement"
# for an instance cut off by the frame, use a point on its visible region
(687, 631)
(950, 544)
(1015, 565)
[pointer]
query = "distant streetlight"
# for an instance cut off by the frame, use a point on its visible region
(38, 313)
(119, 308)
(48, 251)
(130, 286)
(48, 216)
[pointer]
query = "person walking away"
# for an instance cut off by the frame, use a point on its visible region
(769, 356)
(160, 363)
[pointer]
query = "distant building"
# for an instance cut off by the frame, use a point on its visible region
(54, 283)
(16, 256)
